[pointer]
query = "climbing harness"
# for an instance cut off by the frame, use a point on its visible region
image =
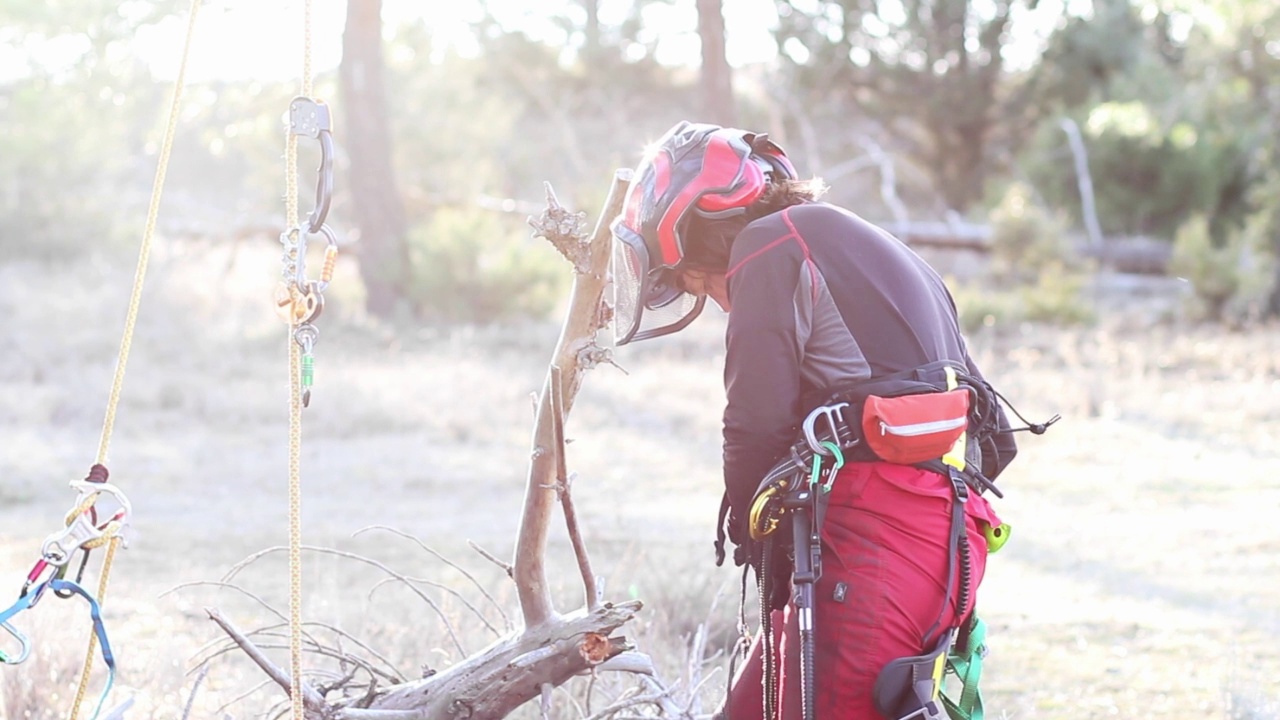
(936, 417)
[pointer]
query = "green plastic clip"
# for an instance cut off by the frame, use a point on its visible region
(308, 371)
(997, 536)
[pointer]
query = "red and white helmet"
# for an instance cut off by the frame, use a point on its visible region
(700, 169)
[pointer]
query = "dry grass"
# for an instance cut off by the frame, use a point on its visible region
(1143, 579)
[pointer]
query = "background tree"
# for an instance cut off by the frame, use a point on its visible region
(378, 210)
(930, 74)
(715, 75)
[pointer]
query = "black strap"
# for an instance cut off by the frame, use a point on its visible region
(957, 547)
(721, 533)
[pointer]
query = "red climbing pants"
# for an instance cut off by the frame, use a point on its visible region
(884, 574)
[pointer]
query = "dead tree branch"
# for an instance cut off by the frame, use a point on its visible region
(566, 496)
(512, 671)
(471, 578)
(590, 259)
(235, 569)
(312, 699)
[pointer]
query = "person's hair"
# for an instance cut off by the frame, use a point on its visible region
(712, 239)
(782, 194)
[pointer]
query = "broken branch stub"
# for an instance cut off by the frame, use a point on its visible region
(565, 230)
(578, 332)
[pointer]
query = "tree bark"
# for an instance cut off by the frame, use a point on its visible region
(716, 77)
(379, 212)
(512, 671)
(575, 352)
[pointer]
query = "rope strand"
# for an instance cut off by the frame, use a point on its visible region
(131, 321)
(295, 411)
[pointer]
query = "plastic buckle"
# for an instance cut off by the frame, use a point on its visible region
(958, 485)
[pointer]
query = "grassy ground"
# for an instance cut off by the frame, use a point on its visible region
(1142, 580)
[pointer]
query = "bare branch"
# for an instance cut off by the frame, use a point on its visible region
(394, 676)
(235, 570)
(440, 586)
(566, 497)
(471, 578)
(579, 328)
(243, 695)
(493, 558)
(195, 687)
(314, 702)
(620, 705)
(565, 231)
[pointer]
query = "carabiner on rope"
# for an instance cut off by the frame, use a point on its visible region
(83, 530)
(310, 118)
(330, 259)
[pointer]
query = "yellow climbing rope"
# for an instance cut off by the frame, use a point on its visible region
(295, 407)
(131, 320)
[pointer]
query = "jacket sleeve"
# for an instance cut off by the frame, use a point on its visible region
(762, 368)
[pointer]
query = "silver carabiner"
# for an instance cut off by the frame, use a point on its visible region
(834, 415)
(23, 642)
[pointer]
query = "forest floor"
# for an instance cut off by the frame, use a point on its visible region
(1142, 578)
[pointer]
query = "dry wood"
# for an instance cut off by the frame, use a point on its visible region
(314, 702)
(576, 343)
(566, 497)
(512, 671)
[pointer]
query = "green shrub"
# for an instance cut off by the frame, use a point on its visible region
(1026, 239)
(1056, 297)
(472, 265)
(1213, 271)
(980, 306)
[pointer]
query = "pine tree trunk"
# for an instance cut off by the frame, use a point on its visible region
(716, 79)
(366, 134)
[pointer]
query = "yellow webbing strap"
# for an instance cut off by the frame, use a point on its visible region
(295, 409)
(131, 321)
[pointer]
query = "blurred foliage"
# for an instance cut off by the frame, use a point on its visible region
(1179, 103)
(1147, 176)
(1054, 297)
(1231, 278)
(1026, 238)
(474, 266)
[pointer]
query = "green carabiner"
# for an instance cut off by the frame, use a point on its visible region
(839, 456)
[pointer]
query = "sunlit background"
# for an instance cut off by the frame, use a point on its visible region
(1097, 180)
